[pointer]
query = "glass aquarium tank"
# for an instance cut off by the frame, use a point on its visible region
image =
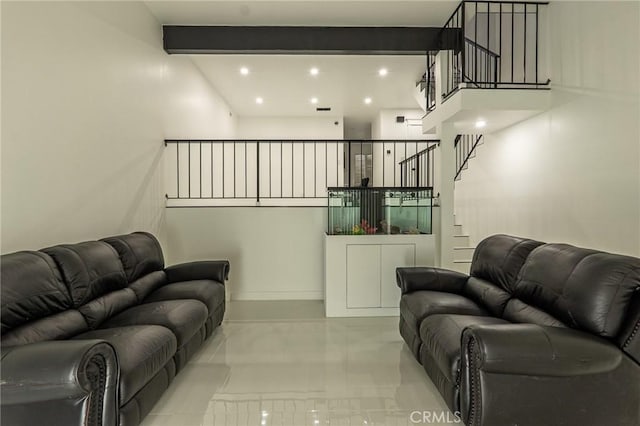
(376, 211)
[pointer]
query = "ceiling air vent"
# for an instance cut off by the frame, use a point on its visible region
(323, 109)
(400, 119)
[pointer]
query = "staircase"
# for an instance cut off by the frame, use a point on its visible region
(420, 94)
(465, 146)
(462, 250)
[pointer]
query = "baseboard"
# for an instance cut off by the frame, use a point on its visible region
(278, 295)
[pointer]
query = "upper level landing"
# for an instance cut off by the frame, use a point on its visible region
(487, 110)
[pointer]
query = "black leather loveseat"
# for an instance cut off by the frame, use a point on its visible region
(538, 334)
(93, 333)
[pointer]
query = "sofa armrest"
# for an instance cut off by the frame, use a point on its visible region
(531, 374)
(67, 382)
(434, 279)
(217, 270)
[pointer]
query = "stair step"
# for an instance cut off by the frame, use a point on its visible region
(463, 254)
(457, 229)
(461, 241)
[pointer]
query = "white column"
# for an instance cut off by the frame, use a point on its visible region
(446, 172)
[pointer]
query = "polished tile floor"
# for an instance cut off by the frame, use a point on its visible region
(283, 363)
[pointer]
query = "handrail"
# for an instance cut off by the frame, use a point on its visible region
(467, 155)
(418, 154)
(481, 47)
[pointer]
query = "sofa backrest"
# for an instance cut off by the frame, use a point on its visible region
(584, 289)
(139, 252)
(36, 303)
(141, 255)
(95, 278)
(498, 259)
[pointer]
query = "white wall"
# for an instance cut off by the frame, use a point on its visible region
(88, 97)
(290, 128)
(275, 253)
(571, 174)
(386, 127)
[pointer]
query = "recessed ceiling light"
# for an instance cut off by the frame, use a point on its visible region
(382, 72)
(259, 100)
(367, 101)
(481, 123)
(314, 100)
(244, 71)
(314, 71)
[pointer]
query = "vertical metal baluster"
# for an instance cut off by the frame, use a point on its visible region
(177, 170)
(475, 41)
(223, 172)
(524, 49)
(270, 178)
(464, 40)
(257, 172)
(500, 44)
(512, 35)
(337, 163)
(537, 29)
(292, 175)
(326, 165)
(246, 171)
(211, 152)
(200, 166)
(189, 163)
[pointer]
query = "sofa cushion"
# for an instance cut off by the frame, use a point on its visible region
(211, 293)
(141, 350)
(31, 289)
(60, 326)
(140, 253)
(183, 317)
(585, 289)
(416, 306)
(89, 269)
(441, 337)
(145, 285)
(498, 259)
(104, 307)
(518, 311)
(488, 295)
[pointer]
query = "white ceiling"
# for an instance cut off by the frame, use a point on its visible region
(285, 84)
(421, 13)
(283, 81)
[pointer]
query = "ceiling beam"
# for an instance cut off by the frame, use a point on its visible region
(307, 40)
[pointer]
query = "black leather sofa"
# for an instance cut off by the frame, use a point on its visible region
(538, 334)
(93, 333)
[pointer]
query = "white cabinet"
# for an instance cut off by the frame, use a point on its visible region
(360, 271)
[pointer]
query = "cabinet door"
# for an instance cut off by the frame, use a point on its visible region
(393, 256)
(363, 276)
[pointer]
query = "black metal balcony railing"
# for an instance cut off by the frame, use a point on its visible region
(430, 81)
(295, 172)
(499, 46)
